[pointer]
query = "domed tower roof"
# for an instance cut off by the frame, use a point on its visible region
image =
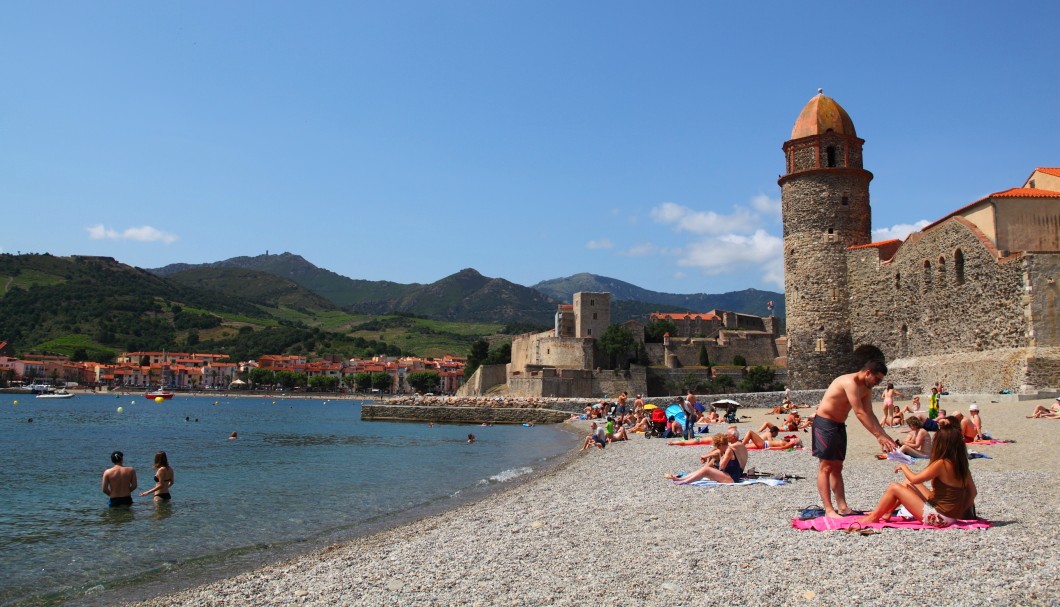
(822, 114)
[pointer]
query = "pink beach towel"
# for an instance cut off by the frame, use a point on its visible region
(754, 448)
(822, 523)
(990, 441)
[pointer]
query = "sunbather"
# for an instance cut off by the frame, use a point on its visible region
(952, 493)
(1051, 412)
(753, 438)
(918, 443)
(730, 467)
(768, 431)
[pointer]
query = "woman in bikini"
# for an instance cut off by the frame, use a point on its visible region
(163, 479)
(754, 439)
(918, 443)
(952, 492)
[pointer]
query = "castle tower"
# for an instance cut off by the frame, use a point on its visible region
(592, 314)
(825, 205)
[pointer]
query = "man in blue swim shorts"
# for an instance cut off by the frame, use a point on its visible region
(852, 391)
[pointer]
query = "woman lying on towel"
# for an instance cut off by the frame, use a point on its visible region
(952, 493)
(730, 467)
(754, 441)
(918, 443)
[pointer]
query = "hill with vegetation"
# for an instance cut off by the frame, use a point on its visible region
(338, 289)
(748, 301)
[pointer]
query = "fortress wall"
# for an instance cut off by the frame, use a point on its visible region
(1043, 276)
(610, 383)
(930, 323)
(484, 378)
(756, 348)
(544, 349)
(547, 383)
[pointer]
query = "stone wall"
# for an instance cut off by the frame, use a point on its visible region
(461, 415)
(1043, 278)
(945, 308)
(484, 378)
(550, 382)
(544, 349)
(610, 383)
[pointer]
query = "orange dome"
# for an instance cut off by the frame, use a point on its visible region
(822, 114)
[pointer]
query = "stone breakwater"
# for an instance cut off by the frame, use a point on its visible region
(606, 528)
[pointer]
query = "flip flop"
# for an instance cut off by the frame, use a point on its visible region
(854, 528)
(850, 513)
(869, 531)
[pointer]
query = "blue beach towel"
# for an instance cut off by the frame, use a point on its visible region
(772, 482)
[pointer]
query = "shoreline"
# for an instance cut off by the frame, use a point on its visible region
(604, 526)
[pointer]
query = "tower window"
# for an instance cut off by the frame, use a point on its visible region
(845, 201)
(831, 155)
(831, 231)
(819, 346)
(958, 266)
(927, 274)
(594, 315)
(897, 280)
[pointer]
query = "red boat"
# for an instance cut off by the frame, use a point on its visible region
(159, 393)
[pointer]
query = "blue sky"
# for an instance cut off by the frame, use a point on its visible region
(529, 140)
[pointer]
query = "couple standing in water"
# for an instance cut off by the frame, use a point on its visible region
(119, 481)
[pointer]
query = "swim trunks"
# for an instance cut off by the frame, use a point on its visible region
(829, 439)
(120, 501)
(165, 496)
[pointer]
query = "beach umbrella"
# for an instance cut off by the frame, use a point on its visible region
(676, 412)
(649, 407)
(725, 401)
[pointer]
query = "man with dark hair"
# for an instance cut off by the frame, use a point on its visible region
(852, 391)
(119, 481)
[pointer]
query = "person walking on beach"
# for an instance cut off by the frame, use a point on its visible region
(163, 478)
(852, 391)
(119, 481)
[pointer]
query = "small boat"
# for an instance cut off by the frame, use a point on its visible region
(159, 393)
(57, 394)
(40, 388)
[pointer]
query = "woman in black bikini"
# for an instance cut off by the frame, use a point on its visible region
(163, 478)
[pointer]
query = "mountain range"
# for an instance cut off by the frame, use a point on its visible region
(467, 295)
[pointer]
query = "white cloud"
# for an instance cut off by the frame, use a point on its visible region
(684, 219)
(600, 244)
(679, 275)
(765, 204)
(738, 253)
(899, 231)
(140, 234)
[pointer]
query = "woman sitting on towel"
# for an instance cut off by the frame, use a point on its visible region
(952, 493)
(730, 468)
(918, 443)
(760, 442)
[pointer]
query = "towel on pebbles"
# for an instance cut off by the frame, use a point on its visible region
(772, 482)
(823, 523)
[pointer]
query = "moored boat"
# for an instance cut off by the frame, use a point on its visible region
(57, 394)
(159, 393)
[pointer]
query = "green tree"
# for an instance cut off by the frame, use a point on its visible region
(323, 383)
(704, 356)
(262, 377)
(759, 379)
(654, 331)
(479, 351)
(424, 381)
(618, 343)
(500, 355)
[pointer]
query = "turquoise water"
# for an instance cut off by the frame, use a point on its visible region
(302, 472)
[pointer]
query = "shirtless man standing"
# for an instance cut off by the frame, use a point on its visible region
(850, 391)
(119, 481)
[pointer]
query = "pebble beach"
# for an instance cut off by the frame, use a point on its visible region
(606, 528)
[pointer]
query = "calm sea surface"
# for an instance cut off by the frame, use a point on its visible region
(303, 472)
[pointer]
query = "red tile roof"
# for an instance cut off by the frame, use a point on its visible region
(1024, 193)
(876, 245)
(685, 315)
(1055, 172)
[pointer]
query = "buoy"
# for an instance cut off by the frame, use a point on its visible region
(133, 402)
(216, 403)
(16, 402)
(159, 399)
(121, 409)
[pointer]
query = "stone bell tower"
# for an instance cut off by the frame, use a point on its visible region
(825, 205)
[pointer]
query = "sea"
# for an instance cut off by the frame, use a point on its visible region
(303, 473)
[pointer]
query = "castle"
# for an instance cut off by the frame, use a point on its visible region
(971, 300)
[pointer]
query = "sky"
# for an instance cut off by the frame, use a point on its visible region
(407, 140)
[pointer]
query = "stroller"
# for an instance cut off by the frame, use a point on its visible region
(658, 423)
(730, 413)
